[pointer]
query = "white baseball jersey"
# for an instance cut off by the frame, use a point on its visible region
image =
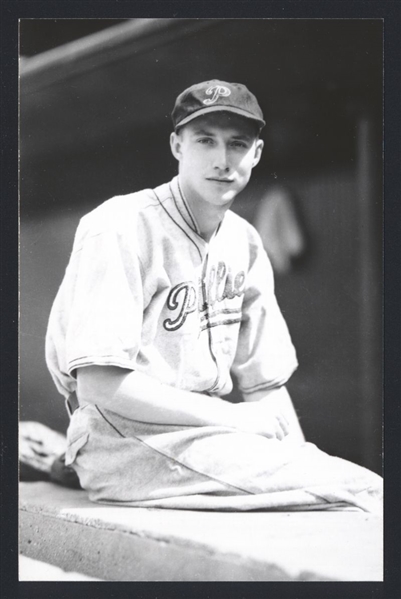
(144, 291)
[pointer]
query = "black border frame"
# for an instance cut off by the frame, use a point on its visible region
(11, 11)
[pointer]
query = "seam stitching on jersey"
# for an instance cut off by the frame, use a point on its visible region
(141, 266)
(266, 385)
(175, 222)
(156, 204)
(193, 227)
(192, 469)
(90, 236)
(207, 317)
(91, 358)
(260, 386)
(211, 325)
(196, 229)
(319, 496)
(181, 214)
(223, 311)
(108, 422)
(165, 455)
(143, 273)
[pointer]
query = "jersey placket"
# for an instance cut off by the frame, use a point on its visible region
(206, 307)
(187, 220)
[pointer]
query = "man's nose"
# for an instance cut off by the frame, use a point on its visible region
(221, 159)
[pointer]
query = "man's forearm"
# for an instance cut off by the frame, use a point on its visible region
(139, 397)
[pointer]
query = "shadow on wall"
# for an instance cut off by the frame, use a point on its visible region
(46, 245)
(321, 293)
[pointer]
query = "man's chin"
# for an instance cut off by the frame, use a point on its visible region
(228, 197)
(225, 202)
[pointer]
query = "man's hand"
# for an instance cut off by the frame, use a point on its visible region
(263, 417)
(277, 403)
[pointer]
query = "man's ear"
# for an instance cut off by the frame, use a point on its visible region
(175, 145)
(258, 151)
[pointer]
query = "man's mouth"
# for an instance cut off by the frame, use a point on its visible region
(220, 180)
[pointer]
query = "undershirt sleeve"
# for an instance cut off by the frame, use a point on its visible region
(265, 357)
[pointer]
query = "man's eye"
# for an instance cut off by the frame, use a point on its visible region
(205, 140)
(239, 144)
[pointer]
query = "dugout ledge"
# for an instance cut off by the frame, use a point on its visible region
(62, 527)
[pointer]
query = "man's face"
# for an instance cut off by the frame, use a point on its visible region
(216, 155)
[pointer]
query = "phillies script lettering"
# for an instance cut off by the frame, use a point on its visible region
(185, 298)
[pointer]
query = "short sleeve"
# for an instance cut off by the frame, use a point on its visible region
(265, 357)
(96, 318)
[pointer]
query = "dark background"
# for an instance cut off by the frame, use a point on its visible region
(95, 122)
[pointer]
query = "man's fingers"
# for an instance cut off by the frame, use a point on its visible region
(277, 428)
(283, 422)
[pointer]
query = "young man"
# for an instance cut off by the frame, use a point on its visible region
(166, 292)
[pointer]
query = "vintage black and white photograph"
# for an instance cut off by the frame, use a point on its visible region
(201, 216)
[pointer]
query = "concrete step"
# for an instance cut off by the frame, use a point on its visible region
(30, 570)
(62, 527)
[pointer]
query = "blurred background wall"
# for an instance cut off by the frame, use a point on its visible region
(95, 103)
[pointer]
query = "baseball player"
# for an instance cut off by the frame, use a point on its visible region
(166, 294)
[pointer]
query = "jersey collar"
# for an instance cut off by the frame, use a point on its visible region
(183, 207)
(185, 211)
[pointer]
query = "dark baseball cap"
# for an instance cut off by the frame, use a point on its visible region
(214, 96)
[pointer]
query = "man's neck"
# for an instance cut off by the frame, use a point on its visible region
(207, 217)
(209, 220)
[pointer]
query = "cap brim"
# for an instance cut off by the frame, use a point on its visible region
(220, 108)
